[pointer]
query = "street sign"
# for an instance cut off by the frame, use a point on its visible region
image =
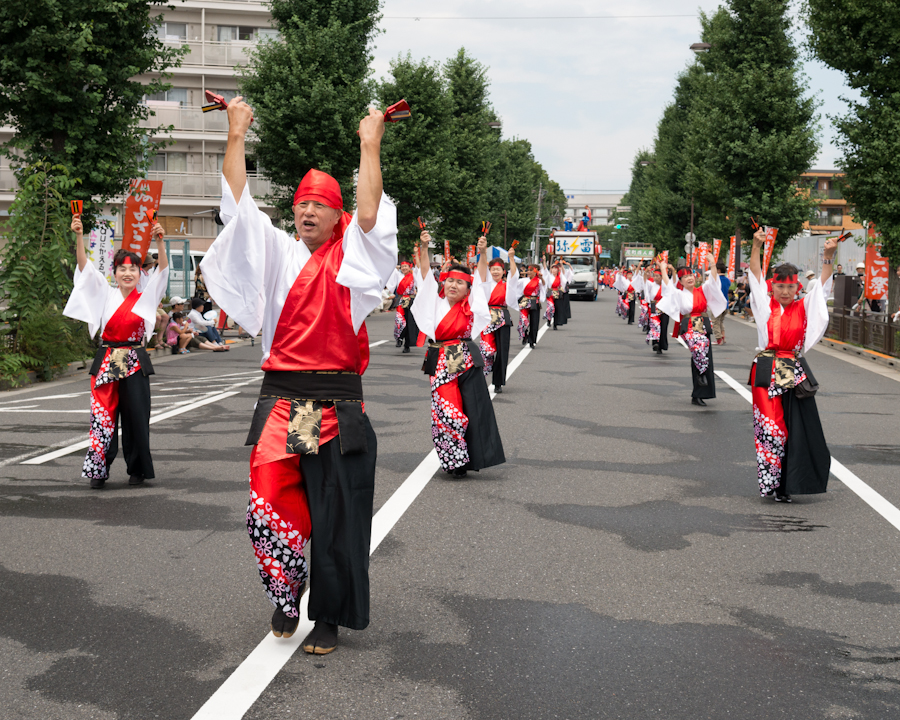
(688, 248)
(690, 237)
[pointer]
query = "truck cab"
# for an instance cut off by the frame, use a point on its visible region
(579, 249)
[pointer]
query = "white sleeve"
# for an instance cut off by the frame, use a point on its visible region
(478, 301)
(670, 303)
(570, 275)
(244, 260)
(816, 314)
(650, 290)
(153, 292)
(393, 281)
(759, 304)
(425, 306)
(637, 282)
(485, 287)
(368, 261)
(715, 300)
(545, 274)
(512, 290)
(88, 298)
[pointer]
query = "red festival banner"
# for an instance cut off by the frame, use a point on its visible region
(731, 250)
(141, 203)
(771, 234)
(717, 248)
(446, 250)
(470, 255)
(877, 268)
(702, 253)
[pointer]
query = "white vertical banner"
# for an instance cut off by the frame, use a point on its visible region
(101, 248)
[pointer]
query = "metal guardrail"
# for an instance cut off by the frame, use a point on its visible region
(214, 53)
(873, 331)
(187, 117)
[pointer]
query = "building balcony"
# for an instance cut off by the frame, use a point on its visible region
(199, 185)
(213, 53)
(185, 117)
(175, 185)
(832, 194)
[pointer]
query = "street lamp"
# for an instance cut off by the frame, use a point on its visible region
(701, 47)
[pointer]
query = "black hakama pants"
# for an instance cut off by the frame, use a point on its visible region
(501, 360)
(534, 322)
(663, 343)
(708, 391)
(482, 433)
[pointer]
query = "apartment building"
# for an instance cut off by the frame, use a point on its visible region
(219, 34)
(602, 205)
(833, 213)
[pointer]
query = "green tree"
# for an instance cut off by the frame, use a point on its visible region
(474, 146)
(416, 152)
(517, 177)
(862, 40)
(309, 89)
(752, 131)
(67, 87)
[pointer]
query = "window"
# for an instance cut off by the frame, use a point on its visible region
(220, 160)
(267, 34)
(229, 95)
(230, 33)
(176, 162)
(159, 163)
(830, 217)
(175, 94)
(172, 31)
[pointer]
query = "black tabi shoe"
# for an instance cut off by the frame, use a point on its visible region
(97, 483)
(282, 625)
(457, 473)
(782, 498)
(698, 401)
(498, 389)
(322, 640)
(702, 381)
(399, 343)
(555, 328)
(136, 480)
(406, 349)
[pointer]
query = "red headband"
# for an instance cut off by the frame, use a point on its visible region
(786, 279)
(319, 187)
(682, 272)
(496, 261)
(406, 262)
(459, 275)
(125, 261)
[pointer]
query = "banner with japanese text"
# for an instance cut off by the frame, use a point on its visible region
(470, 255)
(703, 254)
(446, 250)
(731, 254)
(717, 248)
(142, 199)
(877, 268)
(101, 247)
(771, 234)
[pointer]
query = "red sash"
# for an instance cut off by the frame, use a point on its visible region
(124, 325)
(556, 283)
(315, 329)
(498, 295)
(658, 296)
(457, 324)
(699, 303)
(532, 289)
(786, 328)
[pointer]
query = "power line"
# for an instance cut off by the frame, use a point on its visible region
(531, 17)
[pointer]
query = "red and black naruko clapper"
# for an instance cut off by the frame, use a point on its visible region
(215, 102)
(845, 234)
(754, 223)
(485, 227)
(154, 214)
(398, 111)
(77, 207)
(421, 222)
(514, 245)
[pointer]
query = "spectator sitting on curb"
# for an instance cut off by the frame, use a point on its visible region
(158, 341)
(203, 327)
(181, 337)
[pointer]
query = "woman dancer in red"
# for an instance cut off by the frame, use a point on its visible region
(532, 292)
(501, 296)
(405, 330)
(556, 280)
(691, 304)
(120, 382)
(463, 425)
(791, 453)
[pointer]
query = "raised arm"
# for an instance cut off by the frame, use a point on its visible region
(369, 186)
(424, 265)
(80, 253)
(481, 248)
(828, 260)
(234, 166)
(159, 234)
(664, 270)
(759, 239)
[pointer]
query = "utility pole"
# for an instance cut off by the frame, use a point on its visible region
(537, 223)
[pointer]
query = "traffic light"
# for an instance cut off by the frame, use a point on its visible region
(621, 225)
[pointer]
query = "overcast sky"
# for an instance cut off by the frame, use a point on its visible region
(586, 92)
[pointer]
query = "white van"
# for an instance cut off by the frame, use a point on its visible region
(176, 271)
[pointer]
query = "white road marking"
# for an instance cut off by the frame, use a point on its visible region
(376, 344)
(47, 397)
(869, 495)
(242, 688)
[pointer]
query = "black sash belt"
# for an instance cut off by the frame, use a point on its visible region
(308, 393)
(687, 324)
(139, 350)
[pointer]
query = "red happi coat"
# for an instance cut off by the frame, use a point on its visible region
(124, 326)
(314, 332)
(533, 287)
(406, 286)
(699, 303)
(456, 324)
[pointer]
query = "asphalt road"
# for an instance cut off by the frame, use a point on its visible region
(619, 565)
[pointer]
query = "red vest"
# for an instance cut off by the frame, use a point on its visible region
(699, 303)
(498, 295)
(315, 330)
(405, 286)
(532, 289)
(457, 324)
(788, 328)
(124, 325)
